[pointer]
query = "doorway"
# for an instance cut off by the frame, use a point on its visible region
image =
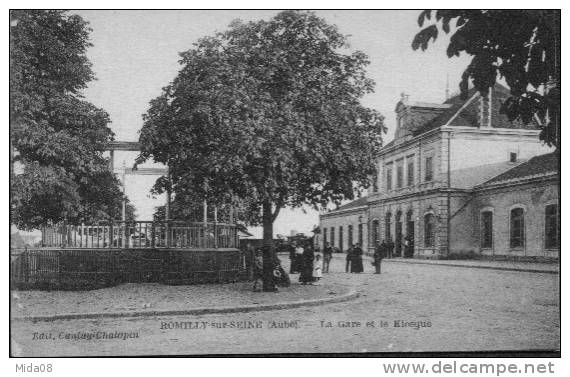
(410, 235)
(398, 241)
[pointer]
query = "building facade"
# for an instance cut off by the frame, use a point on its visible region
(439, 181)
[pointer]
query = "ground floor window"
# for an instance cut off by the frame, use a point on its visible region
(332, 237)
(429, 230)
(350, 236)
(551, 227)
(387, 227)
(487, 229)
(375, 232)
(324, 235)
(517, 227)
(340, 238)
(360, 234)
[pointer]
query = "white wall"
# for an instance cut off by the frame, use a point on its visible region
(470, 149)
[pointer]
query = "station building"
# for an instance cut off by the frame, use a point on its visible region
(458, 178)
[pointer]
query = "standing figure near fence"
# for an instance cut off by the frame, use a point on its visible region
(306, 276)
(257, 271)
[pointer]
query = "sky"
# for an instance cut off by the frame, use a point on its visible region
(135, 54)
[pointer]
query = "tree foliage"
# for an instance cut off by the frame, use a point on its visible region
(521, 46)
(267, 113)
(58, 136)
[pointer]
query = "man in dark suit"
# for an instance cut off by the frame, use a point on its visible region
(379, 254)
(349, 258)
(327, 256)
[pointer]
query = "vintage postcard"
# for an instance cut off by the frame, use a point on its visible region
(286, 183)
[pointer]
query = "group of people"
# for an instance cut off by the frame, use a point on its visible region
(257, 266)
(309, 262)
(354, 259)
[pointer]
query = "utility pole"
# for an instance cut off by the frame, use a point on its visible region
(167, 209)
(124, 216)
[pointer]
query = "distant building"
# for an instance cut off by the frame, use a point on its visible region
(458, 177)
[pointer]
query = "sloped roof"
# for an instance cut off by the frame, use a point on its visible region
(539, 165)
(354, 204)
(469, 116)
(470, 177)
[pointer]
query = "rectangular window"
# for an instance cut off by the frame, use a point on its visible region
(400, 174)
(340, 238)
(324, 235)
(410, 171)
(487, 229)
(332, 237)
(350, 236)
(517, 227)
(552, 240)
(513, 157)
(429, 169)
(389, 177)
(360, 234)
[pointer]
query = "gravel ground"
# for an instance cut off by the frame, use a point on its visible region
(157, 297)
(547, 267)
(466, 309)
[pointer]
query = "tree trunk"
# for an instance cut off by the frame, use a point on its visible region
(268, 251)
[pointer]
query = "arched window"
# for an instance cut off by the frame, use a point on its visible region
(429, 230)
(552, 239)
(487, 229)
(410, 226)
(517, 227)
(388, 227)
(375, 232)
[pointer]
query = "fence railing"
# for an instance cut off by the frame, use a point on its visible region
(80, 269)
(141, 235)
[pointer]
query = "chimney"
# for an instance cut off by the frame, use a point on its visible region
(485, 109)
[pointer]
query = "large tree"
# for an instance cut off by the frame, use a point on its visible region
(521, 46)
(267, 112)
(59, 137)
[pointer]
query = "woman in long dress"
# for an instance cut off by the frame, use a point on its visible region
(307, 266)
(356, 259)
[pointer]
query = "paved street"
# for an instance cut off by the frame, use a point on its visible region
(444, 308)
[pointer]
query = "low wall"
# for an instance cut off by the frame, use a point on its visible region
(83, 269)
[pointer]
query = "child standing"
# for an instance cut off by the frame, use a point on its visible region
(318, 267)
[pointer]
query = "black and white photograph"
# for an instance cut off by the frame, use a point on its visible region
(286, 183)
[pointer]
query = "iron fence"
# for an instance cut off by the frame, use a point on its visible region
(141, 235)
